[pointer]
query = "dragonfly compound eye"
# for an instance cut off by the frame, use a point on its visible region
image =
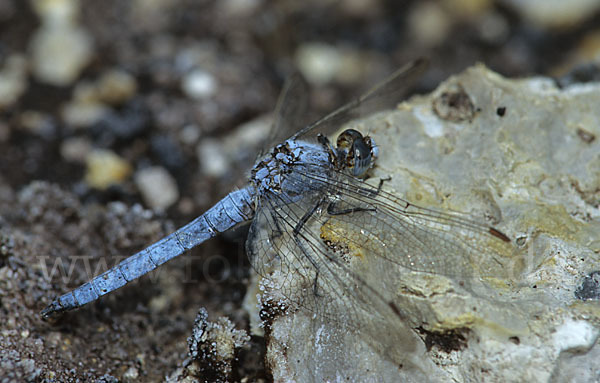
(357, 151)
(362, 158)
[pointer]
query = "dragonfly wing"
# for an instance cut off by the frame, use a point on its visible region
(307, 273)
(399, 233)
(383, 96)
(290, 112)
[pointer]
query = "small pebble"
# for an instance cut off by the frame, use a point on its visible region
(13, 80)
(199, 84)
(493, 28)
(158, 188)
(59, 53)
(189, 134)
(38, 123)
(105, 168)
(212, 158)
(83, 114)
(429, 23)
(318, 62)
(555, 14)
(60, 48)
(239, 8)
(75, 149)
(116, 86)
(322, 63)
(131, 374)
(56, 11)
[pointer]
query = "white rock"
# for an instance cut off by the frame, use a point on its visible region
(59, 53)
(211, 157)
(239, 8)
(429, 23)
(322, 63)
(131, 375)
(217, 156)
(199, 84)
(555, 13)
(515, 159)
(157, 186)
(56, 11)
(575, 336)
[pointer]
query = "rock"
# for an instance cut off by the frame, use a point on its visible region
(38, 123)
(189, 134)
(590, 287)
(13, 80)
(75, 149)
(60, 48)
(105, 168)
(517, 159)
(217, 157)
(212, 157)
(91, 100)
(239, 8)
(131, 375)
(555, 13)
(116, 86)
(85, 109)
(83, 114)
(212, 347)
(322, 63)
(199, 84)
(157, 186)
(429, 23)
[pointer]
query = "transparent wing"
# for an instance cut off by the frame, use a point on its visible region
(340, 249)
(413, 237)
(305, 274)
(290, 112)
(383, 96)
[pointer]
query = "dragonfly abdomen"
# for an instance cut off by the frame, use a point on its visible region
(235, 208)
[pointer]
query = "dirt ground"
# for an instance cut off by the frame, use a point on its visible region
(192, 73)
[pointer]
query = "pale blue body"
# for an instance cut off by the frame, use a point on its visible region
(237, 207)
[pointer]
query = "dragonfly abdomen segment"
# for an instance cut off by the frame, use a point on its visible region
(235, 208)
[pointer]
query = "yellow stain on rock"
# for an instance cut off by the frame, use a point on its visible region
(338, 239)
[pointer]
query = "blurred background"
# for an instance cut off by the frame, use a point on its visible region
(138, 115)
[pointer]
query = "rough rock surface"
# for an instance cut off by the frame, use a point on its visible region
(524, 156)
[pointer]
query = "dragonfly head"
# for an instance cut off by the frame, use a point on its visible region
(356, 152)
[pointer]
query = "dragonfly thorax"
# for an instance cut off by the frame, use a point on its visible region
(270, 174)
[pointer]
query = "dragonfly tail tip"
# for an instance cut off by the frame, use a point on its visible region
(50, 310)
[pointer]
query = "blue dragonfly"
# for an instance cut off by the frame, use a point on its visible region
(332, 243)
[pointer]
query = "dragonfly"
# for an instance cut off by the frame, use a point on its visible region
(330, 242)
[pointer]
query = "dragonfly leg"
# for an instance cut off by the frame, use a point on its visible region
(307, 216)
(331, 209)
(298, 236)
(381, 181)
